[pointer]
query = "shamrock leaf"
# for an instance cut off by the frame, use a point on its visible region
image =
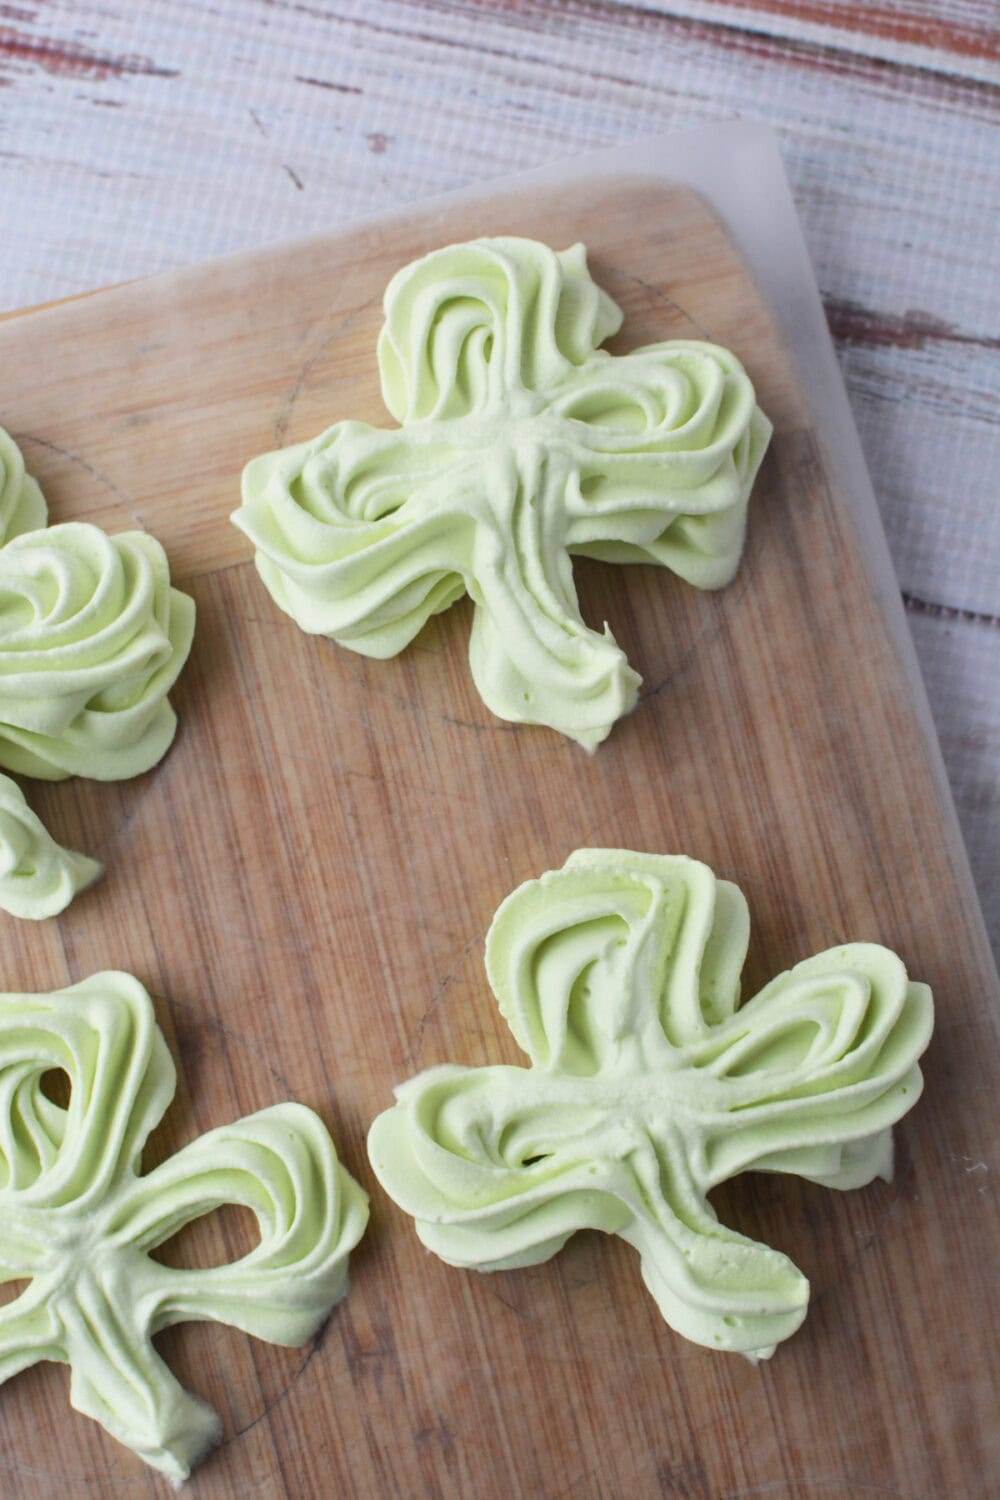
(522, 443)
(649, 1085)
(471, 326)
(38, 877)
(22, 504)
(80, 1220)
(92, 638)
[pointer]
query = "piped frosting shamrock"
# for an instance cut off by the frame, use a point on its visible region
(77, 1217)
(38, 877)
(92, 638)
(649, 1085)
(521, 444)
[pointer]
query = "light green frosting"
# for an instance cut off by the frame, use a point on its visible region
(38, 877)
(649, 1085)
(22, 504)
(77, 1217)
(92, 637)
(522, 443)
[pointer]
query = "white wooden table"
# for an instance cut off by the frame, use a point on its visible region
(134, 138)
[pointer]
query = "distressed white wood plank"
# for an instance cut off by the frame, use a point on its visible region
(927, 413)
(134, 139)
(945, 36)
(960, 663)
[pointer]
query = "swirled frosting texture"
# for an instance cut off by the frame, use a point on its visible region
(22, 504)
(38, 877)
(649, 1085)
(522, 443)
(78, 1219)
(92, 638)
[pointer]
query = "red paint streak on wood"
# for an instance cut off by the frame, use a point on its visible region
(889, 24)
(832, 61)
(66, 60)
(852, 324)
(935, 33)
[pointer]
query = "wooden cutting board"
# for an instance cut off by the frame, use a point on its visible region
(305, 883)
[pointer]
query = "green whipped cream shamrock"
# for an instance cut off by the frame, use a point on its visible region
(649, 1085)
(22, 504)
(77, 1217)
(92, 638)
(38, 877)
(521, 444)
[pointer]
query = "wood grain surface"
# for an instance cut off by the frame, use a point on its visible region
(306, 881)
(139, 138)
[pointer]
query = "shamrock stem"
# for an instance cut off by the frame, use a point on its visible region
(713, 1285)
(533, 658)
(119, 1379)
